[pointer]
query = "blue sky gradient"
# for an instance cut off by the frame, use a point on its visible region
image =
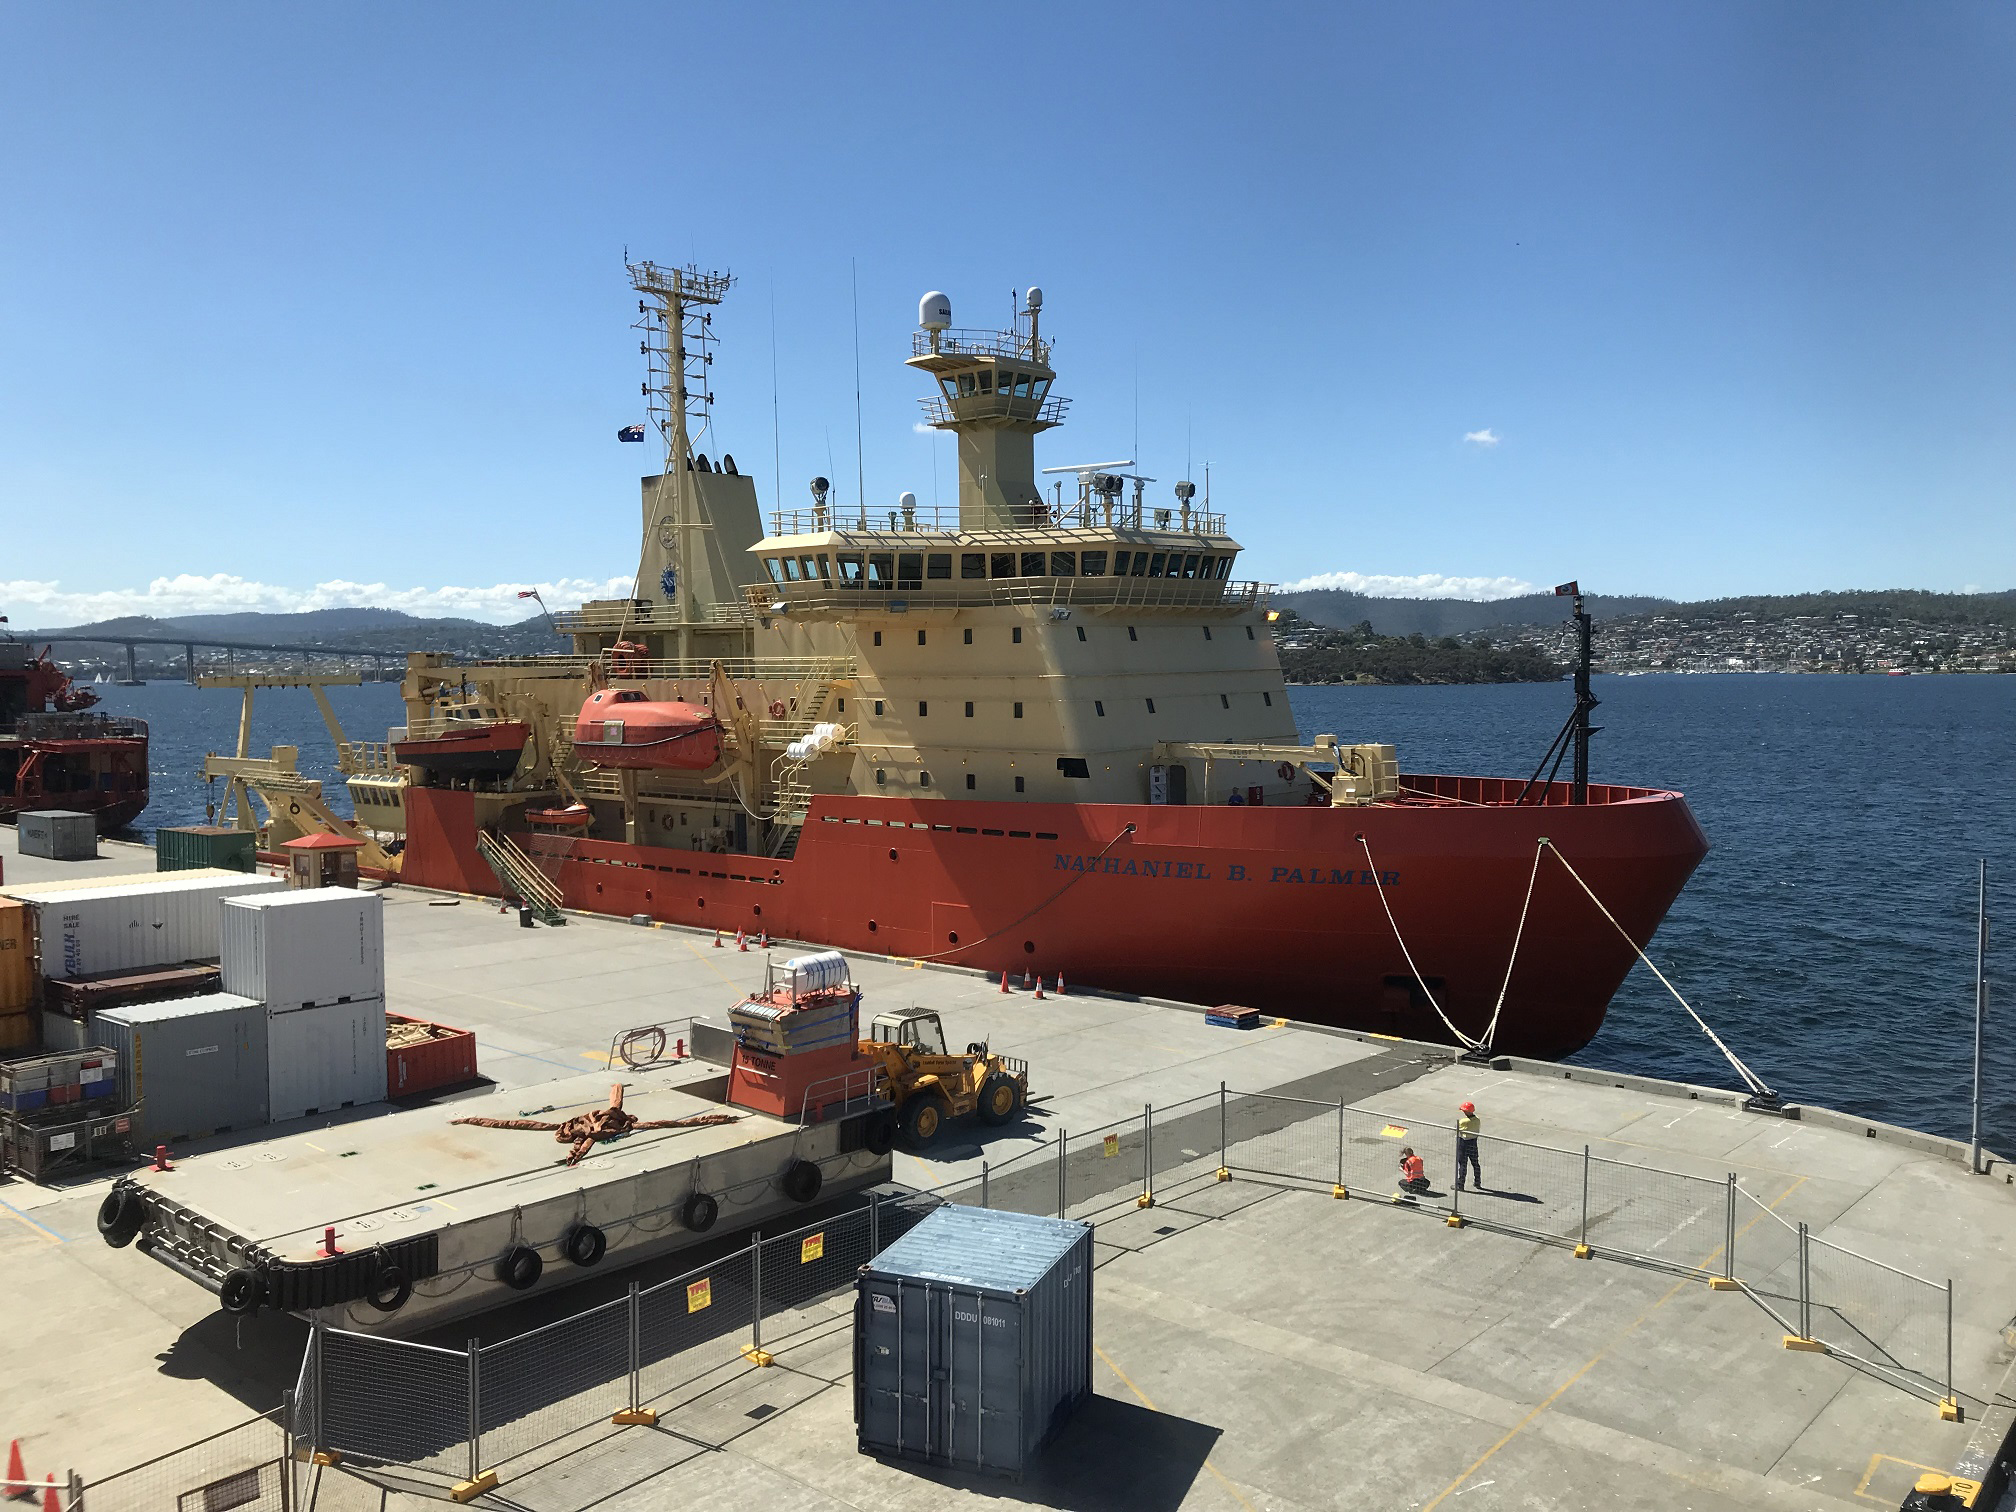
(306, 296)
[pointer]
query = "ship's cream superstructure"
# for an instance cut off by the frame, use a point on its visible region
(1094, 648)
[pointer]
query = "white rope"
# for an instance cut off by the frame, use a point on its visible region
(1491, 1029)
(1464, 1039)
(1756, 1083)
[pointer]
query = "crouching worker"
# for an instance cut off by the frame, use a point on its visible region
(1413, 1174)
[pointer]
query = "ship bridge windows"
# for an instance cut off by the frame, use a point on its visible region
(1063, 564)
(1032, 564)
(809, 566)
(973, 564)
(1001, 564)
(1155, 564)
(882, 569)
(850, 569)
(938, 565)
(775, 567)
(910, 570)
(1092, 564)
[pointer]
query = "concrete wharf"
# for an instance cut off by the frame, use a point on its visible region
(1261, 1343)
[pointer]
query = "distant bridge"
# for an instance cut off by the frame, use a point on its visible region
(189, 643)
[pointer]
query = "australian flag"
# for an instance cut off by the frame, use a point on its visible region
(630, 433)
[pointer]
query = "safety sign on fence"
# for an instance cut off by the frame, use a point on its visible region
(811, 1247)
(700, 1294)
(1394, 1131)
(1112, 1144)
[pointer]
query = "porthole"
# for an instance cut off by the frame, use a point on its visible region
(953, 938)
(892, 853)
(1028, 947)
(871, 926)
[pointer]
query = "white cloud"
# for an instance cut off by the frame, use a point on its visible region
(924, 430)
(1486, 437)
(48, 603)
(1431, 585)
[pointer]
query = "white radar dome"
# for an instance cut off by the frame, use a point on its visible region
(1035, 298)
(934, 312)
(906, 500)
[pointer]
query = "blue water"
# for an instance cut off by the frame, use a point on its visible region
(1828, 937)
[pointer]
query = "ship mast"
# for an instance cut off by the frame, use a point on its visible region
(677, 322)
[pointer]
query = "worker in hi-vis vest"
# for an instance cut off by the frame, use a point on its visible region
(1413, 1173)
(1467, 1127)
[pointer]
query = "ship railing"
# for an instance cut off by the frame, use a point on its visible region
(356, 757)
(960, 341)
(1065, 522)
(1050, 410)
(623, 615)
(79, 726)
(434, 729)
(1172, 594)
(630, 668)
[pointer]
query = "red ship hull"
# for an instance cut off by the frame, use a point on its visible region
(1275, 908)
(106, 778)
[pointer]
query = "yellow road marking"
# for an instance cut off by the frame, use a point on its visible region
(1595, 1359)
(29, 1223)
(1124, 1381)
(1862, 1486)
(707, 959)
(314, 1146)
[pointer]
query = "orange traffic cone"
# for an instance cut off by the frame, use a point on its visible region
(741, 942)
(1025, 978)
(18, 1488)
(1039, 989)
(763, 940)
(1060, 984)
(1004, 979)
(717, 939)
(51, 1502)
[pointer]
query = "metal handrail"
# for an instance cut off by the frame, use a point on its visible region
(940, 411)
(1058, 524)
(1147, 593)
(966, 342)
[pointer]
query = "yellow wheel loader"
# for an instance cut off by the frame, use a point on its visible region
(929, 1086)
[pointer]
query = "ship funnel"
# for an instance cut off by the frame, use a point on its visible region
(934, 311)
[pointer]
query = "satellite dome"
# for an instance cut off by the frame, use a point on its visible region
(934, 311)
(906, 500)
(1035, 298)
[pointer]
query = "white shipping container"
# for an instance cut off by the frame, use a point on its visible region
(155, 921)
(319, 1059)
(318, 945)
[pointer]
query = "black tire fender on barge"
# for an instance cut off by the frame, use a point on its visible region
(803, 1180)
(520, 1267)
(121, 1215)
(585, 1244)
(389, 1290)
(699, 1212)
(241, 1291)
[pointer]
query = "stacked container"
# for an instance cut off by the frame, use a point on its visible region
(973, 1339)
(316, 959)
(195, 1066)
(52, 1081)
(17, 975)
(156, 920)
(58, 835)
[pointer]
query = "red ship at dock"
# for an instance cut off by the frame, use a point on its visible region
(56, 754)
(1033, 734)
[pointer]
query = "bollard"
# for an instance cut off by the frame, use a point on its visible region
(161, 1158)
(329, 1241)
(679, 1049)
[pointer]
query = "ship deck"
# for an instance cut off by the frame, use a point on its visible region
(1260, 1345)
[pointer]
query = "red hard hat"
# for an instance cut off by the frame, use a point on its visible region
(1468, 1107)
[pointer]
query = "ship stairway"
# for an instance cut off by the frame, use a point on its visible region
(787, 841)
(589, 783)
(520, 877)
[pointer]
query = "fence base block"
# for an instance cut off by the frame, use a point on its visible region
(1339, 1193)
(1454, 1220)
(469, 1490)
(757, 1356)
(1145, 1200)
(1223, 1174)
(1582, 1252)
(1950, 1410)
(642, 1417)
(1809, 1346)
(1724, 1283)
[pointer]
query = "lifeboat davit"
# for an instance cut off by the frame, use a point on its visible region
(620, 727)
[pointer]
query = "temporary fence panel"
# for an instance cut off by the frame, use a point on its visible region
(245, 1468)
(1026, 1183)
(394, 1402)
(1764, 1255)
(1105, 1169)
(1662, 1216)
(693, 1324)
(1182, 1143)
(799, 1274)
(1893, 1322)
(1293, 1137)
(543, 1385)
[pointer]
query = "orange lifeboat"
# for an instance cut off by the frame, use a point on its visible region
(620, 727)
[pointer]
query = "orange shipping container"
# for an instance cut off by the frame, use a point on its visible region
(17, 956)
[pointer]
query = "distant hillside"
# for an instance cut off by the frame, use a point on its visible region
(1438, 617)
(387, 630)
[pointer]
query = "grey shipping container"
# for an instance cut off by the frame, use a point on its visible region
(973, 1339)
(58, 835)
(319, 1059)
(195, 1066)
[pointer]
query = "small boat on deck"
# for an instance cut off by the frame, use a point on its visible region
(620, 727)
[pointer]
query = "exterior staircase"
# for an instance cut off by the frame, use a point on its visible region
(520, 877)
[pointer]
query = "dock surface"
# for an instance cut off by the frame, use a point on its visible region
(1261, 1343)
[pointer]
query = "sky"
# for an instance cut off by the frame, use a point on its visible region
(303, 306)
